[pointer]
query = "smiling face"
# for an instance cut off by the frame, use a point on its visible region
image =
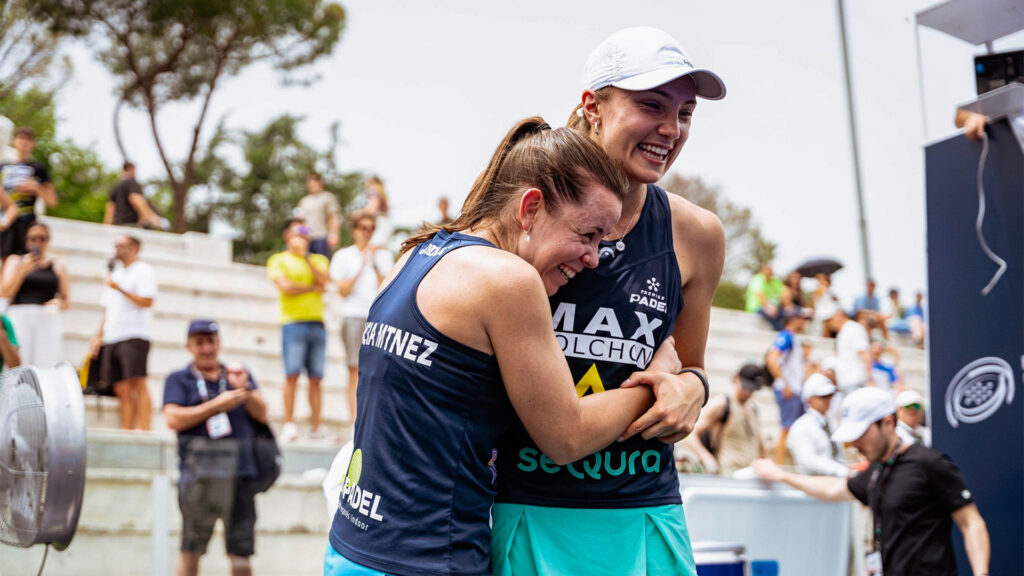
(565, 240)
(644, 131)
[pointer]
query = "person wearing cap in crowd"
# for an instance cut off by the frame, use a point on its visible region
(915, 493)
(810, 437)
(827, 366)
(212, 408)
(727, 436)
(910, 418)
(785, 361)
(639, 94)
(301, 278)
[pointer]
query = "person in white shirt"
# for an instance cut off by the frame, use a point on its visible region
(358, 271)
(853, 360)
(125, 332)
(809, 440)
(910, 418)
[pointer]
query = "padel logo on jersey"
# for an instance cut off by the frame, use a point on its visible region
(978, 390)
(357, 503)
(603, 338)
(650, 297)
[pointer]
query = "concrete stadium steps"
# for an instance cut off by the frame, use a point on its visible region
(92, 236)
(118, 513)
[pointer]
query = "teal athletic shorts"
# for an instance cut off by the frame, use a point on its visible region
(652, 541)
(337, 565)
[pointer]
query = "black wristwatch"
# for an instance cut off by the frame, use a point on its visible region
(703, 380)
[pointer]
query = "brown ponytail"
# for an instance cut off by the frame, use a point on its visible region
(559, 162)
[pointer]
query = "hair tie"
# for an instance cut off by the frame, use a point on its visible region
(543, 126)
(579, 111)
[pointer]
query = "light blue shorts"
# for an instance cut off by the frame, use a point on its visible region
(304, 345)
(337, 565)
(537, 540)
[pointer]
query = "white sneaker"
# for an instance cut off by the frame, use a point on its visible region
(289, 432)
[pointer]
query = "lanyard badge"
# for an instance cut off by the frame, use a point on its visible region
(217, 426)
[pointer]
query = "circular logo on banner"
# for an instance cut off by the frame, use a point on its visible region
(978, 390)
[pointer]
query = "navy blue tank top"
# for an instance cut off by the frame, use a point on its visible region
(419, 489)
(609, 321)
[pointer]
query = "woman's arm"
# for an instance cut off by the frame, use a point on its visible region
(537, 378)
(63, 285)
(12, 276)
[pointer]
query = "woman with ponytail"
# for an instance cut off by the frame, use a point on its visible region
(458, 341)
(640, 94)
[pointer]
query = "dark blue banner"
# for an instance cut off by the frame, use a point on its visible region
(976, 342)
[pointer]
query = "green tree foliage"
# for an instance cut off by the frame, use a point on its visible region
(257, 195)
(173, 51)
(28, 48)
(81, 180)
(746, 247)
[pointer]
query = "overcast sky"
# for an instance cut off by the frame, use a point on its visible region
(424, 91)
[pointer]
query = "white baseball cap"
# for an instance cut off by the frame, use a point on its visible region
(642, 58)
(908, 397)
(830, 363)
(860, 409)
(818, 385)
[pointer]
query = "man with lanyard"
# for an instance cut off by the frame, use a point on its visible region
(914, 492)
(212, 408)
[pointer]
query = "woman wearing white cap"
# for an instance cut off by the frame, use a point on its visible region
(592, 517)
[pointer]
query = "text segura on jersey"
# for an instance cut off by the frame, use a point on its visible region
(609, 321)
(418, 492)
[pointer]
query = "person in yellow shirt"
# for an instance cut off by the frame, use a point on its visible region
(301, 278)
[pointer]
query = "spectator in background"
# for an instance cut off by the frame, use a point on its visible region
(810, 438)
(764, 296)
(823, 299)
(320, 211)
(786, 363)
(853, 359)
(212, 408)
(24, 180)
(727, 436)
(868, 310)
(910, 418)
(377, 206)
(36, 285)
(915, 493)
(9, 355)
(885, 375)
(792, 295)
(358, 271)
(301, 279)
(894, 314)
(127, 205)
(442, 207)
(126, 331)
(915, 319)
(827, 366)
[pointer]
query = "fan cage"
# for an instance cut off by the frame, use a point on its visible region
(23, 476)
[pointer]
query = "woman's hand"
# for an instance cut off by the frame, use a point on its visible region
(678, 400)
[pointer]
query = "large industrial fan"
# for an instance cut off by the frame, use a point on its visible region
(42, 455)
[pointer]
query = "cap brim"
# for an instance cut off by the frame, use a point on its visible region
(850, 431)
(709, 85)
